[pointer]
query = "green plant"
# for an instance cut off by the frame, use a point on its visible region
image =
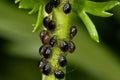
(84, 7)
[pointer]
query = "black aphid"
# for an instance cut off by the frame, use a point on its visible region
(42, 50)
(42, 62)
(73, 31)
(62, 61)
(67, 8)
(49, 7)
(53, 40)
(43, 33)
(46, 20)
(46, 39)
(51, 25)
(63, 45)
(47, 52)
(46, 69)
(59, 74)
(71, 46)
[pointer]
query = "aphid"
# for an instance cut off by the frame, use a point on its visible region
(56, 2)
(73, 31)
(46, 39)
(59, 74)
(42, 50)
(49, 7)
(43, 33)
(53, 40)
(46, 20)
(51, 25)
(46, 68)
(62, 61)
(47, 52)
(71, 47)
(42, 62)
(67, 8)
(63, 45)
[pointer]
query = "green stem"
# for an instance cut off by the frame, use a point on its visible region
(62, 32)
(54, 64)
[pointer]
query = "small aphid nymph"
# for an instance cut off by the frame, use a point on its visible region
(46, 69)
(51, 25)
(49, 7)
(67, 8)
(46, 20)
(53, 40)
(41, 50)
(42, 62)
(73, 31)
(46, 39)
(47, 53)
(62, 61)
(59, 74)
(63, 45)
(43, 33)
(71, 46)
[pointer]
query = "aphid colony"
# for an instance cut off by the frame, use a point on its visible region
(50, 41)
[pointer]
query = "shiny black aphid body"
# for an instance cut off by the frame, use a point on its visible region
(51, 25)
(56, 2)
(49, 7)
(71, 46)
(46, 20)
(42, 62)
(67, 8)
(63, 45)
(73, 31)
(41, 50)
(53, 40)
(62, 61)
(46, 68)
(59, 74)
(47, 52)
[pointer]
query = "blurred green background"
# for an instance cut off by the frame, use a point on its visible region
(91, 61)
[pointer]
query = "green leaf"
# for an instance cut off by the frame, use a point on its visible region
(96, 9)
(39, 19)
(35, 9)
(78, 5)
(90, 26)
(29, 4)
(99, 8)
(34, 5)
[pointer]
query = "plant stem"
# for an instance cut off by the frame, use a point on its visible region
(62, 32)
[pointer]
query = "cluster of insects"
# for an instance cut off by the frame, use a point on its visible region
(50, 41)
